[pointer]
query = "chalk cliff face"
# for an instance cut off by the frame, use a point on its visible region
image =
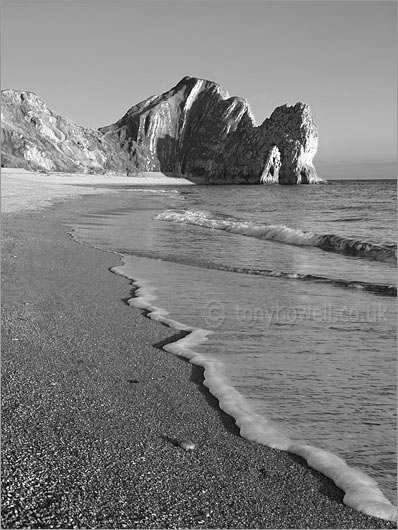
(34, 137)
(195, 129)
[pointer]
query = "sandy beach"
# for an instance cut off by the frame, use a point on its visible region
(94, 408)
(23, 190)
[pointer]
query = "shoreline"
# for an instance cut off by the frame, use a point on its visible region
(361, 492)
(23, 190)
(93, 405)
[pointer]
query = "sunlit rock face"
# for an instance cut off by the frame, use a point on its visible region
(195, 129)
(293, 130)
(185, 130)
(35, 137)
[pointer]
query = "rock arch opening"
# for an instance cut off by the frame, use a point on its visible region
(270, 174)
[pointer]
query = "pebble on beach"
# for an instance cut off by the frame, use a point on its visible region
(187, 445)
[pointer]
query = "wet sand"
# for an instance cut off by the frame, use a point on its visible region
(93, 409)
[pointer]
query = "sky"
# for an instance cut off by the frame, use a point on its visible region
(91, 60)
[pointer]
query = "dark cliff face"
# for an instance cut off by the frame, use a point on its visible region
(195, 129)
(184, 130)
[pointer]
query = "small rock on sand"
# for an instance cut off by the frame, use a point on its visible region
(187, 445)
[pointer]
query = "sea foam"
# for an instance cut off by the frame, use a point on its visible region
(361, 492)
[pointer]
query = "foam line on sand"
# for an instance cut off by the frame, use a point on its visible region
(361, 492)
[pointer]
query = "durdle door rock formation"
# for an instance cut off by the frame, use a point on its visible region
(195, 129)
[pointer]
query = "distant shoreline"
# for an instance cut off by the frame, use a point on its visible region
(27, 190)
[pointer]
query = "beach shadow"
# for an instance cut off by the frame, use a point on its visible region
(197, 377)
(169, 340)
(197, 372)
(131, 294)
(172, 441)
(327, 487)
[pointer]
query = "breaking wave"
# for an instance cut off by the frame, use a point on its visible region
(379, 289)
(376, 288)
(283, 234)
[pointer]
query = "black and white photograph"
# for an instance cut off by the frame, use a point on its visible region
(198, 264)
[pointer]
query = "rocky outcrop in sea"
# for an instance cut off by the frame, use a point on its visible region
(195, 129)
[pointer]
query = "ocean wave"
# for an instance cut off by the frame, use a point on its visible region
(346, 220)
(361, 492)
(353, 247)
(165, 193)
(379, 289)
(283, 234)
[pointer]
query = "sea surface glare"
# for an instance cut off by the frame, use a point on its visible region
(297, 286)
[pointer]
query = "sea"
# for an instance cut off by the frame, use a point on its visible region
(286, 294)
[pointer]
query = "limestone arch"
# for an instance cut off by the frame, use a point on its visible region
(272, 165)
